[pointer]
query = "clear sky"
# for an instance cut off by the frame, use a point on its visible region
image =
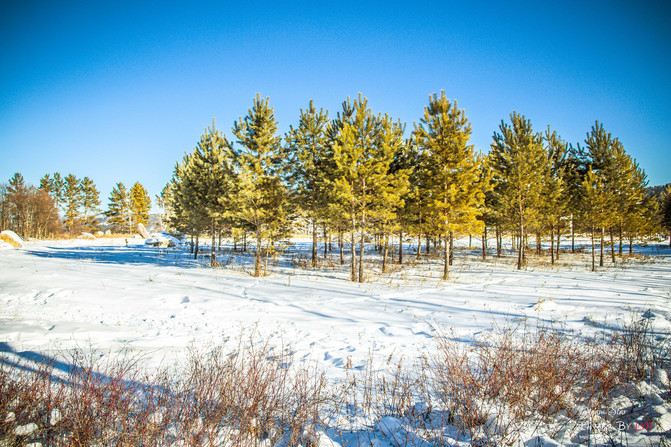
(118, 91)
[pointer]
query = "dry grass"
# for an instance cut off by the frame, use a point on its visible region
(509, 385)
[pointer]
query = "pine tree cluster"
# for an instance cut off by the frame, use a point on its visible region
(358, 177)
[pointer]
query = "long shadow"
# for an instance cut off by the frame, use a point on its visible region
(112, 254)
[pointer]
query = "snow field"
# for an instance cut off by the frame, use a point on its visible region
(113, 295)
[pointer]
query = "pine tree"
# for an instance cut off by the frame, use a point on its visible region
(519, 170)
(596, 207)
(307, 159)
(212, 179)
(140, 204)
(72, 195)
(455, 193)
(555, 195)
(363, 154)
(58, 190)
(163, 202)
(119, 208)
(262, 197)
(90, 201)
(17, 199)
(602, 149)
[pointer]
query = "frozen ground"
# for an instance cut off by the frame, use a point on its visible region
(112, 294)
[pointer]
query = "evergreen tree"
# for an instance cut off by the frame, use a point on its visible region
(164, 204)
(72, 195)
(90, 201)
(212, 178)
(519, 170)
(58, 190)
(17, 199)
(308, 162)
(555, 195)
(455, 191)
(596, 207)
(262, 197)
(363, 159)
(140, 204)
(119, 208)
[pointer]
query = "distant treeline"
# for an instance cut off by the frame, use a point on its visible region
(68, 204)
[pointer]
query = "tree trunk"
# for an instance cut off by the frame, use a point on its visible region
(244, 242)
(552, 244)
(361, 252)
(257, 253)
(330, 237)
(612, 245)
(446, 260)
(620, 249)
(498, 242)
(631, 243)
(326, 245)
(314, 243)
(385, 246)
(400, 247)
(593, 267)
(451, 247)
(213, 261)
(601, 247)
(539, 249)
(195, 253)
(470, 241)
(428, 244)
(484, 243)
(520, 253)
(192, 244)
(353, 252)
(341, 239)
(419, 238)
(558, 237)
(572, 235)
(219, 233)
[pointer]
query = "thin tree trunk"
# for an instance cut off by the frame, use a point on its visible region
(558, 237)
(330, 237)
(470, 241)
(192, 245)
(620, 231)
(572, 235)
(244, 242)
(195, 253)
(520, 253)
(326, 245)
(631, 243)
(539, 249)
(400, 247)
(446, 260)
(451, 247)
(593, 267)
(612, 245)
(385, 246)
(428, 244)
(552, 244)
(361, 249)
(498, 242)
(601, 247)
(419, 238)
(257, 253)
(213, 261)
(341, 238)
(484, 243)
(314, 242)
(353, 252)
(219, 233)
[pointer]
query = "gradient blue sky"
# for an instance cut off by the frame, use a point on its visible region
(118, 91)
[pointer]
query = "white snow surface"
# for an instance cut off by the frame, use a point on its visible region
(110, 295)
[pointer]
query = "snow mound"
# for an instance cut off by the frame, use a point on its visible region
(87, 236)
(163, 240)
(11, 238)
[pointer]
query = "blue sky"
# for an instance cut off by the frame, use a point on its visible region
(118, 91)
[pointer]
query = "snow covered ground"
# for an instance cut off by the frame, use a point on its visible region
(113, 294)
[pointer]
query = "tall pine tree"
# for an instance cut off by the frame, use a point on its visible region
(119, 208)
(140, 204)
(455, 191)
(261, 197)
